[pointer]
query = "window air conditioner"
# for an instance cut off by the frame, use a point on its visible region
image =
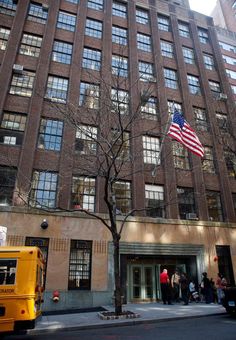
(45, 7)
(191, 216)
(18, 68)
(222, 96)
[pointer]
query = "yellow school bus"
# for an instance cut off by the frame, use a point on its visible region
(21, 287)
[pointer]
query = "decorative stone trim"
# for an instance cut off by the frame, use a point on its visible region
(112, 316)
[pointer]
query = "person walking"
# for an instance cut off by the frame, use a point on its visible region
(220, 285)
(206, 288)
(165, 289)
(184, 288)
(175, 285)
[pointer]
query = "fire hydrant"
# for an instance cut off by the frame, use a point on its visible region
(55, 296)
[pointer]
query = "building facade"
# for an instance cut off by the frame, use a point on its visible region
(224, 14)
(54, 56)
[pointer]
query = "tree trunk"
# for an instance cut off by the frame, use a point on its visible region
(117, 292)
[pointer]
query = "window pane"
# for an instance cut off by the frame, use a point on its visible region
(66, 21)
(57, 89)
(7, 184)
(154, 200)
(62, 52)
(44, 188)
(83, 193)
(50, 135)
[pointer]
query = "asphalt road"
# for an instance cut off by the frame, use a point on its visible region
(221, 327)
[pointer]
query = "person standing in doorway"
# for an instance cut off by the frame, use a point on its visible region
(175, 285)
(184, 288)
(165, 287)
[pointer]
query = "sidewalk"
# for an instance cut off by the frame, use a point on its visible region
(149, 312)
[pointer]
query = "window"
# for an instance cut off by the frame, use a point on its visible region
(142, 16)
(119, 35)
(22, 84)
(214, 206)
(119, 66)
(229, 60)
(50, 134)
(96, 4)
(225, 263)
(215, 88)
(37, 13)
(194, 85)
(231, 74)
(57, 89)
(83, 193)
(62, 52)
(201, 119)
(120, 145)
(233, 87)
(93, 28)
(86, 140)
(80, 265)
(209, 62)
(7, 184)
(30, 45)
(230, 159)
(44, 189)
(227, 47)
(122, 190)
(167, 49)
(120, 101)
(154, 200)
(203, 36)
(186, 202)
(73, 1)
(144, 42)
(180, 153)
(234, 5)
(12, 128)
(66, 21)
(171, 80)
(149, 109)
(151, 150)
(91, 59)
(184, 30)
(7, 7)
(89, 95)
(163, 23)
(173, 105)
(208, 163)
(4, 36)
(8, 271)
(188, 54)
(119, 9)
(222, 121)
(146, 71)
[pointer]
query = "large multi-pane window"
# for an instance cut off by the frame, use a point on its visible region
(93, 28)
(43, 189)
(80, 265)
(167, 49)
(37, 13)
(30, 45)
(208, 163)
(144, 42)
(151, 150)
(149, 109)
(230, 159)
(194, 84)
(120, 101)
(180, 153)
(215, 88)
(119, 35)
(22, 84)
(83, 193)
(154, 200)
(122, 190)
(229, 60)
(201, 119)
(227, 47)
(231, 74)
(184, 30)
(163, 23)
(188, 54)
(91, 59)
(7, 184)
(119, 66)
(119, 9)
(50, 134)
(172, 106)
(171, 79)
(233, 87)
(4, 36)
(86, 140)
(66, 21)
(120, 145)
(146, 71)
(62, 52)
(73, 1)
(57, 88)
(12, 128)
(186, 202)
(89, 95)
(96, 4)
(203, 36)
(8, 7)
(214, 206)
(222, 121)
(209, 62)
(142, 16)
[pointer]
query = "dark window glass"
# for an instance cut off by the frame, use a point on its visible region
(7, 184)
(86, 140)
(12, 128)
(122, 190)
(186, 202)
(154, 200)
(214, 205)
(7, 7)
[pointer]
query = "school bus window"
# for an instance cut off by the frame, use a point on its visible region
(7, 271)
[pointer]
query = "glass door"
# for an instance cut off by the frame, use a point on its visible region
(142, 283)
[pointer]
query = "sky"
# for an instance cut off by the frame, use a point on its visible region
(202, 6)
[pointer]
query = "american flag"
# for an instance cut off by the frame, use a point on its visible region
(181, 131)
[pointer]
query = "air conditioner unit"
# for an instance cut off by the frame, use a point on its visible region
(18, 68)
(222, 96)
(191, 216)
(45, 7)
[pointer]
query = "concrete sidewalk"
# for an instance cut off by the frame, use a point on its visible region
(149, 312)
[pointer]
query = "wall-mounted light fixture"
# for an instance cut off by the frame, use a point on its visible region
(44, 224)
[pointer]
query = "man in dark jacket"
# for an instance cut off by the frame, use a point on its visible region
(184, 288)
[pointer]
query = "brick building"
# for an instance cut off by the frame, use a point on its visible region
(51, 54)
(224, 14)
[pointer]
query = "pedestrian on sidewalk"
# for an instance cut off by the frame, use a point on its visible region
(184, 288)
(206, 288)
(165, 287)
(220, 285)
(175, 285)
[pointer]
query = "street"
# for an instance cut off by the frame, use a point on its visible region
(220, 327)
